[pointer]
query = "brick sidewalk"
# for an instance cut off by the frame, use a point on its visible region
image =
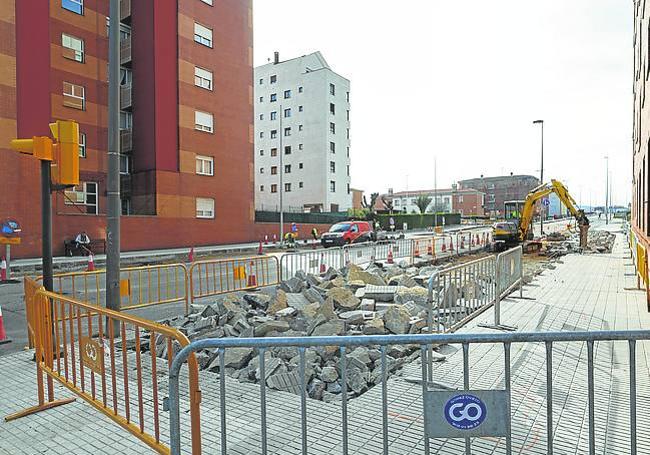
(584, 293)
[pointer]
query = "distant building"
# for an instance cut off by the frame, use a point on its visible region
(500, 189)
(467, 202)
(302, 120)
(640, 211)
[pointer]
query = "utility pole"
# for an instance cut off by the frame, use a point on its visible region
(541, 179)
(435, 192)
(281, 152)
(606, 189)
(113, 187)
(46, 223)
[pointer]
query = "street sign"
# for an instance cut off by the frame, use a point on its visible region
(9, 240)
(10, 228)
(546, 202)
(466, 413)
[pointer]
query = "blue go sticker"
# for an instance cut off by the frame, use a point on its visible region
(465, 412)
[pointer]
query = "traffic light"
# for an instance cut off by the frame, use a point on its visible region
(66, 152)
(40, 147)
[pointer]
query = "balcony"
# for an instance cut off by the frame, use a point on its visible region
(126, 140)
(125, 97)
(125, 51)
(125, 10)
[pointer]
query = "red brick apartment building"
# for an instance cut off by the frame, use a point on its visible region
(641, 132)
(186, 120)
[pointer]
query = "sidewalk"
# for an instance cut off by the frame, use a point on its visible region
(584, 293)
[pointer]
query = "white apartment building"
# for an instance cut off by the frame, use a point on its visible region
(302, 136)
(405, 201)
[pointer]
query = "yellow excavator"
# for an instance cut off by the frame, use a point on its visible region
(513, 231)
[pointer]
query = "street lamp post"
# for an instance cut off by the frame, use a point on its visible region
(606, 189)
(541, 178)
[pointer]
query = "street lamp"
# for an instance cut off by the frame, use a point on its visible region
(541, 178)
(606, 189)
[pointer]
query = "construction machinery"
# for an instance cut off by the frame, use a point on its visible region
(519, 217)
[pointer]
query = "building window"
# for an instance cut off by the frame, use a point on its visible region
(73, 48)
(202, 35)
(126, 164)
(204, 165)
(287, 150)
(261, 152)
(287, 187)
(287, 113)
(274, 134)
(287, 94)
(76, 6)
(287, 131)
(348, 152)
(332, 128)
(348, 133)
(82, 145)
(126, 120)
(261, 116)
(261, 81)
(207, 2)
(274, 152)
(348, 188)
(261, 170)
(332, 147)
(126, 77)
(347, 96)
(90, 190)
(261, 134)
(332, 186)
(300, 146)
(300, 127)
(202, 78)
(274, 170)
(83, 194)
(203, 121)
(332, 167)
(332, 109)
(74, 96)
(274, 97)
(348, 169)
(287, 169)
(300, 165)
(300, 108)
(261, 188)
(204, 207)
(274, 188)
(274, 115)
(300, 89)
(126, 206)
(332, 89)
(273, 79)
(261, 99)
(300, 184)
(460, 199)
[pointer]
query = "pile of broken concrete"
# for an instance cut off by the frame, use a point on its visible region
(352, 301)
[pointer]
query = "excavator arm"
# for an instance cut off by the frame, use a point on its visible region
(542, 191)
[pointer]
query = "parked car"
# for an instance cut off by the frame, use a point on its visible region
(346, 233)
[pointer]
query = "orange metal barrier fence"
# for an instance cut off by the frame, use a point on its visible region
(140, 286)
(99, 355)
(221, 276)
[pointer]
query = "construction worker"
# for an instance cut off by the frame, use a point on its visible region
(290, 239)
(314, 234)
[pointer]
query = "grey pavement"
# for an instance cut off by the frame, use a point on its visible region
(590, 292)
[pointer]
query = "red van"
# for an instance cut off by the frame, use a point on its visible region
(347, 232)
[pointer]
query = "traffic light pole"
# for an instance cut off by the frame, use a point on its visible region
(46, 221)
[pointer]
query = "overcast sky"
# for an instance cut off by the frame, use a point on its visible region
(462, 81)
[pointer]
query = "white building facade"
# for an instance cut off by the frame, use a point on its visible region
(302, 136)
(406, 201)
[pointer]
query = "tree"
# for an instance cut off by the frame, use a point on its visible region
(373, 199)
(388, 203)
(422, 202)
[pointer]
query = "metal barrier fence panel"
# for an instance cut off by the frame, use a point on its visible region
(400, 249)
(361, 254)
(221, 276)
(440, 420)
(314, 261)
(105, 358)
(424, 248)
(142, 286)
(459, 293)
(509, 270)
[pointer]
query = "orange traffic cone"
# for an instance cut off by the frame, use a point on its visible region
(3, 335)
(389, 259)
(322, 263)
(91, 263)
(260, 249)
(3, 269)
(444, 246)
(451, 245)
(252, 279)
(190, 257)
(266, 239)
(430, 249)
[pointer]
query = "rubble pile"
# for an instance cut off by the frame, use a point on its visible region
(352, 301)
(559, 244)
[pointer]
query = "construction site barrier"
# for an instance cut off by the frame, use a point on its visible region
(221, 276)
(313, 261)
(384, 431)
(139, 286)
(105, 358)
